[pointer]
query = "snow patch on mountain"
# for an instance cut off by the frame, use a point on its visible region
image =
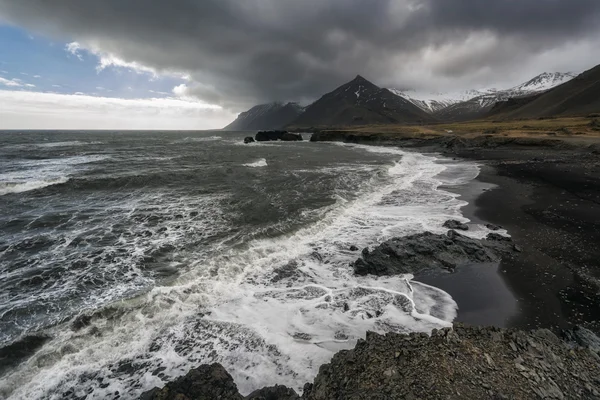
(482, 98)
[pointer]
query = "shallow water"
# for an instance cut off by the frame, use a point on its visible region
(183, 248)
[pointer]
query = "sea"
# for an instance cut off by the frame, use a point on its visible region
(128, 258)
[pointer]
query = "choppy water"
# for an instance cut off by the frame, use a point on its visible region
(174, 249)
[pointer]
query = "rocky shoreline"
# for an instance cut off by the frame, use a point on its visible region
(548, 198)
(459, 363)
(452, 363)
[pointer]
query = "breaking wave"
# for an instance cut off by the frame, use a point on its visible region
(271, 304)
(260, 163)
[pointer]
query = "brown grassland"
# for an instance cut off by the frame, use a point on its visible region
(574, 127)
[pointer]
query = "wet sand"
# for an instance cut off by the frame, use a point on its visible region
(547, 195)
(549, 201)
(480, 290)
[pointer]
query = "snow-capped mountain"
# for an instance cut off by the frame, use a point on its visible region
(360, 102)
(433, 102)
(545, 81)
(473, 101)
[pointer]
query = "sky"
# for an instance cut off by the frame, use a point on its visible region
(195, 64)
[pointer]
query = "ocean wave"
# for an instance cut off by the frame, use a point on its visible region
(31, 175)
(65, 144)
(49, 145)
(272, 309)
(197, 139)
(259, 163)
(14, 187)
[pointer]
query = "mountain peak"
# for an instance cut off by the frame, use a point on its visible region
(359, 78)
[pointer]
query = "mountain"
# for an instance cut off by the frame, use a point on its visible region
(265, 117)
(360, 102)
(479, 106)
(434, 102)
(579, 96)
(476, 103)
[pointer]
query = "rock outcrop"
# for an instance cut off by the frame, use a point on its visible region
(454, 224)
(459, 363)
(248, 139)
(278, 392)
(207, 382)
(266, 136)
(463, 363)
(427, 250)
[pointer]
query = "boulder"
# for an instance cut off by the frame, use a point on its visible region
(207, 382)
(493, 227)
(248, 139)
(454, 224)
(278, 392)
(426, 250)
(580, 336)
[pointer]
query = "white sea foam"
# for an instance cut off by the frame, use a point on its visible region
(29, 175)
(14, 187)
(197, 139)
(72, 143)
(65, 144)
(259, 163)
(271, 311)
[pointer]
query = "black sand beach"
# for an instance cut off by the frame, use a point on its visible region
(546, 194)
(548, 200)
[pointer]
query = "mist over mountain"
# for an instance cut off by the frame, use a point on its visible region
(266, 116)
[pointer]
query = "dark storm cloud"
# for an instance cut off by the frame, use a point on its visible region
(242, 52)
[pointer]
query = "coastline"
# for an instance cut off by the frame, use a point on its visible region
(546, 193)
(549, 295)
(536, 199)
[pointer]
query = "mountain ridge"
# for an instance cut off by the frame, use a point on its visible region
(267, 116)
(578, 96)
(360, 102)
(476, 102)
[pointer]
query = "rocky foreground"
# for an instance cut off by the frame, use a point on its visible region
(460, 363)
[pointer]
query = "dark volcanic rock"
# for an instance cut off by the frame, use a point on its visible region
(580, 336)
(207, 382)
(291, 137)
(459, 363)
(266, 136)
(289, 270)
(493, 227)
(248, 139)
(454, 224)
(278, 392)
(463, 363)
(427, 250)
